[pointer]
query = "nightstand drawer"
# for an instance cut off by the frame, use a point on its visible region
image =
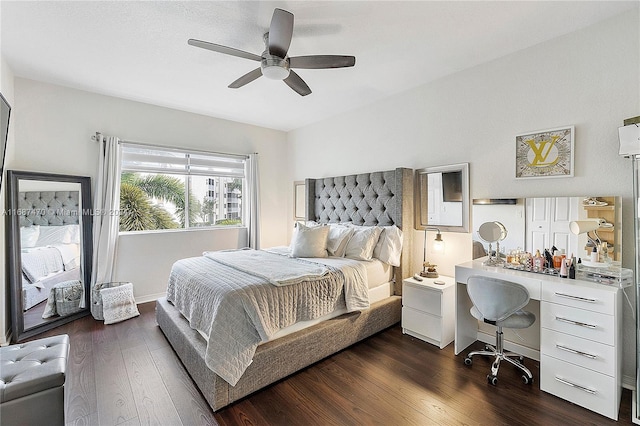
(594, 391)
(578, 322)
(578, 351)
(427, 325)
(422, 299)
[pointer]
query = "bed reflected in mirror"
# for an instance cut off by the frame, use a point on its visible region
(49, 249)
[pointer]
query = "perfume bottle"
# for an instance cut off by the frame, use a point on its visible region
(572, 269)
(557, 260)
(538, 262)
(563, 269)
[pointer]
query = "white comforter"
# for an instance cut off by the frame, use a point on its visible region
(238, 307)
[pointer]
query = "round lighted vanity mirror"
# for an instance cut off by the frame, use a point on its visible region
(492, 232)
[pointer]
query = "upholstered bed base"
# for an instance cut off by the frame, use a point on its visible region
(276, 359)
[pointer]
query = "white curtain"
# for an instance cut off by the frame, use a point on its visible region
(252, 211)
(106, 205)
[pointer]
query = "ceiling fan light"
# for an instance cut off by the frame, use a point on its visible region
(275, 72)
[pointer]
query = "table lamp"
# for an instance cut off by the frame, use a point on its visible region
(585, 226)
(428, 269)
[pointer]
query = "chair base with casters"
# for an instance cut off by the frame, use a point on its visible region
(499, 354)
(498, 302)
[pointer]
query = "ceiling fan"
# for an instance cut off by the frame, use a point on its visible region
(274, 62)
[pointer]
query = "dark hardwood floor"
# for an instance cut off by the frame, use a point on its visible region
(127, 374)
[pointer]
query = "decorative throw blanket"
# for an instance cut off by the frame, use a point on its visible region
(39, 263)
(269, 266)
(239, 309)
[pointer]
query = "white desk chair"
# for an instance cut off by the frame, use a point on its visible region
(498, 302)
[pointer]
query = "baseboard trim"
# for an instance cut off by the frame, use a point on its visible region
(150, 297)
(629, 382)
(7, 338)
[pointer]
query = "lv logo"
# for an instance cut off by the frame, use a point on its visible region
(541, 152)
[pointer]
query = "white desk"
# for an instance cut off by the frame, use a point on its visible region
(580, 340)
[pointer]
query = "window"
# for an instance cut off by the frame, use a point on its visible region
(164, 188)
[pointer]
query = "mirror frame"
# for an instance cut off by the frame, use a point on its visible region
(421, 197)
(13, 248)
(299, 200)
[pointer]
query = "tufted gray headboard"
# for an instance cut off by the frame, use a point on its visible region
(48, 208)
(369, 199)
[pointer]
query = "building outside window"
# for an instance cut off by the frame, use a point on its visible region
(166, 188)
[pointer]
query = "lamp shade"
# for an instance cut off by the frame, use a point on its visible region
(581, 226)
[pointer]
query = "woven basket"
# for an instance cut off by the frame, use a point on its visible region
(68, 296)
(96, 298)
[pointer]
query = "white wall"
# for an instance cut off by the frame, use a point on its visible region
(53, 127)
(6, 88)
(588, 79)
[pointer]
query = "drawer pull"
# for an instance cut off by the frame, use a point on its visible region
(582, 299)
(573, 385)
(574, 351)
(581, 324)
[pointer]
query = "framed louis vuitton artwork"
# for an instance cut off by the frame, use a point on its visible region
(545, 153)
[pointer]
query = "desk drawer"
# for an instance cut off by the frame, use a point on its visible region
(593, 299)
(421, 323)
(585, 353)
(594, 391)
(422, 299)
(578, 322)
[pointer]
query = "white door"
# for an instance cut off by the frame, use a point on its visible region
(548, 224)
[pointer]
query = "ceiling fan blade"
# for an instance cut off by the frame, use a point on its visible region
(280, 32)
(245, 79)
(322, 61)
(296, 83)
(224, 49)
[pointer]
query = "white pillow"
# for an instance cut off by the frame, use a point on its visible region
(389, 247)
(338, 238)
(118, 303)
(362, 242)
(65, 234)
(309, 241)
(29, 236)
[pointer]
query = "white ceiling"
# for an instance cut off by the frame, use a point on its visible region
(139, 51)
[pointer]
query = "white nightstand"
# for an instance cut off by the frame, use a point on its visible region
(428, 309)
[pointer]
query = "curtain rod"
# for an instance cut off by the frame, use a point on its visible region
(94, 138)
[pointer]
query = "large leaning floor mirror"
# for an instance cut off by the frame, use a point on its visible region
(49, 247)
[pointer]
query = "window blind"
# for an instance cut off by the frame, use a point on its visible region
(148, 159)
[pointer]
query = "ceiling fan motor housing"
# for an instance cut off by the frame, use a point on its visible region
(273, 67)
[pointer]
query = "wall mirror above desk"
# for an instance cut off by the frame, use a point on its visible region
(539, 223)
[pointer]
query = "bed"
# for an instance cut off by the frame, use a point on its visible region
(380, 200)
(49, 242)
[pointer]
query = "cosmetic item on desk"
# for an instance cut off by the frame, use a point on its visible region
(548, 259)
(538, 262)
(557, 259)
(563, 269)
(594, 255)
(572, 268)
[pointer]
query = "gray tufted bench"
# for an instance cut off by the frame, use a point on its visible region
(32, 378)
